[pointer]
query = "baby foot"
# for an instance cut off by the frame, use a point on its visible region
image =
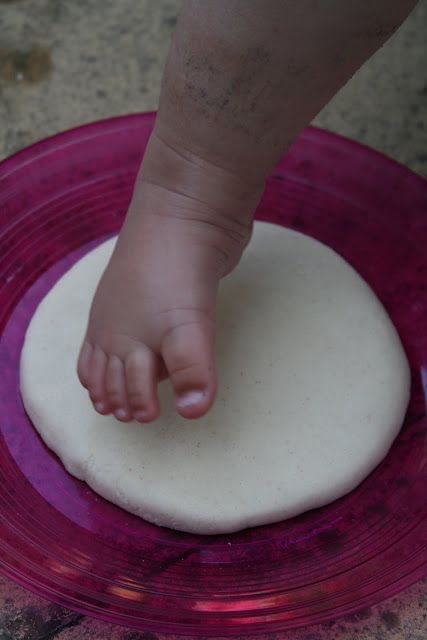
(153, 314)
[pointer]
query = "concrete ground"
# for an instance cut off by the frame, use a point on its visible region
(66, 63)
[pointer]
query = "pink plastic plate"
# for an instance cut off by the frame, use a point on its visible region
(60, 198)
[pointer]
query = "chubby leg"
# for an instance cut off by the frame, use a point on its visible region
(243, 77)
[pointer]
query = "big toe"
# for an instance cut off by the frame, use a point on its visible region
(187, 351)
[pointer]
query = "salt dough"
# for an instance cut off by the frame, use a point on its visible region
(314, 385)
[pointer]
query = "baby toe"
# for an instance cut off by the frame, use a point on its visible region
(96, 380)
(142, 371)
(84, 363)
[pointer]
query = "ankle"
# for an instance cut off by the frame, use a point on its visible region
(179, 170)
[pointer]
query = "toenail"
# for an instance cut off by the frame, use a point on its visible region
(120, 414)
(141, 416)
(190, 399)
(99, 406)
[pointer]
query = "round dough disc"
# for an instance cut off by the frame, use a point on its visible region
(313, 389)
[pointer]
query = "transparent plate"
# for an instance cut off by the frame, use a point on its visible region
(59, 199)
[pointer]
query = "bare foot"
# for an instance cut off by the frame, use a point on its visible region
(153, 314)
